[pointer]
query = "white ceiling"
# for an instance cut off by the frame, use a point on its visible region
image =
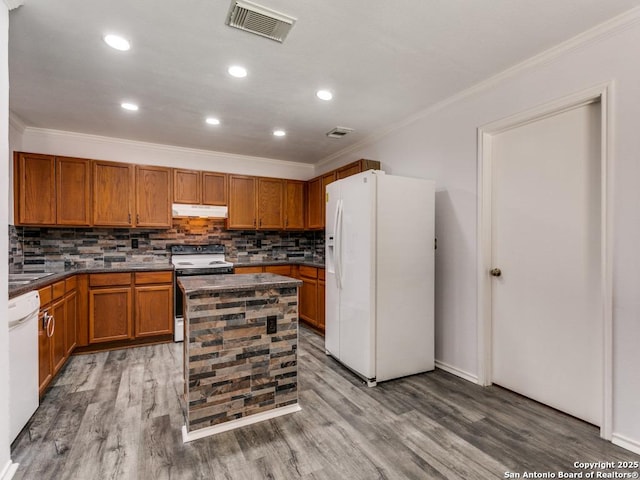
(384, 61)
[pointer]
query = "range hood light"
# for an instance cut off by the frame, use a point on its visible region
(200, 211)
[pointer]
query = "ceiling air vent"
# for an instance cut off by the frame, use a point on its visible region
(339, 132)
(260, 20)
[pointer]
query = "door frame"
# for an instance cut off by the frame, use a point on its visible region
(600, 93)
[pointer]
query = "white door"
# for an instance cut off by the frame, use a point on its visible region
(332, 291)
(546, 226)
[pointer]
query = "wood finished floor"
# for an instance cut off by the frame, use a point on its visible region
(117, 415)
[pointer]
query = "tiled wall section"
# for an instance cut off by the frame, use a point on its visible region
(34, 249)
(235, 368)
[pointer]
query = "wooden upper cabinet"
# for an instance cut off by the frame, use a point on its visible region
(200, 188)
(153, 196)
(358, 166)
(242, 202)
(113, 193)
(214, 188)
(186, 186)
(270, 203)
(294, 205)
(73, 191)
(35, 182)
(314, 203)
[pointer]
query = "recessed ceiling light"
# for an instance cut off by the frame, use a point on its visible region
(279, 133)
(129, 106)
(324, 94)
(237, 71)
(212, 121)
(117, 42)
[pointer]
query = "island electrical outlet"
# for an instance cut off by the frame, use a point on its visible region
(272, 324)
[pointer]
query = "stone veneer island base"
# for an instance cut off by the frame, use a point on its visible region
(235, 372)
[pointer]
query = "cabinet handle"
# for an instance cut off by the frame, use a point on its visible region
(254, 222)
(260, 222)
(137, 218)
(129, 218)
(50, 324)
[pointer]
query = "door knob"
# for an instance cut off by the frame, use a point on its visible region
(496, 272)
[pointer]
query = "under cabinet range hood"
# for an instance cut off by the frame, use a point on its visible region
(202, 211)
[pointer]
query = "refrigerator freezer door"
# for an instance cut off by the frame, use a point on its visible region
(356, 241)
(332, 294)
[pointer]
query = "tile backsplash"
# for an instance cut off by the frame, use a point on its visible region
(36, 249)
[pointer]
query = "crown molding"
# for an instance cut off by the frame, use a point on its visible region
(598, 33)
(16, 122)
(13, 4)
(102, 140)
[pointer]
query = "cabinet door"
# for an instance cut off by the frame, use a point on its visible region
(279, 269)
(110, 314)
(153, 196)
(35, 185)
(154, 310)
(326, 180)
(348, 170)
(321, 305)
(242, 202)
(113, 185)
(214, 188)
(308, 308)
(294, 205)
(186, 186)
(73, 191)
(315, 199)
(45, 365)
(59, 353)
(70, 322)
(270, 203)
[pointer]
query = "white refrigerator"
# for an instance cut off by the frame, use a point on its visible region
(380, 275)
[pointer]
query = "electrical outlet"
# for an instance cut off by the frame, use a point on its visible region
(272, 324)
(134, 243)
(258, 243)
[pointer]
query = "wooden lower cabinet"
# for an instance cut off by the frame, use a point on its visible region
(56, 329)
(154, 310)
(59, 352)
(110, 314)
(321, 296)
(45, 360)
(252, 269)
(125, 306)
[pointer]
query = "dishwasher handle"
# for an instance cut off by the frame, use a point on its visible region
(49, 324)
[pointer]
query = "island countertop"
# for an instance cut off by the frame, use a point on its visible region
(235, 282)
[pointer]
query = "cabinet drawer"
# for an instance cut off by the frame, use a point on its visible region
(46, 294)
(146, 278)
(279, 269)
(310, 272)
(321, 274)
(58, 289)
(248, 269)
(70, 284)
(109, 279)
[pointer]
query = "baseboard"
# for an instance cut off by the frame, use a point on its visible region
(457, 372)
(8, 471)
(240, 422)
(626, 443)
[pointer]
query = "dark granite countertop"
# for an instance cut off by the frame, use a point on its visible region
(235, 282)
(266, 263)
(56, 276)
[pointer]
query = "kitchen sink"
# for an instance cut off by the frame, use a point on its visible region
(23, 278)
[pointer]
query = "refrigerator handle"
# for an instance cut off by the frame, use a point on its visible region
(338, 244)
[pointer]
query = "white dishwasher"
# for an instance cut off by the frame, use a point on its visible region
(23, 360)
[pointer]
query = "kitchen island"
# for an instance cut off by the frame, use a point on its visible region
(240, 350)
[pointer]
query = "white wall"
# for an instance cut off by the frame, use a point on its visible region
(441, 144)
(36, 140)
(5, 460)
